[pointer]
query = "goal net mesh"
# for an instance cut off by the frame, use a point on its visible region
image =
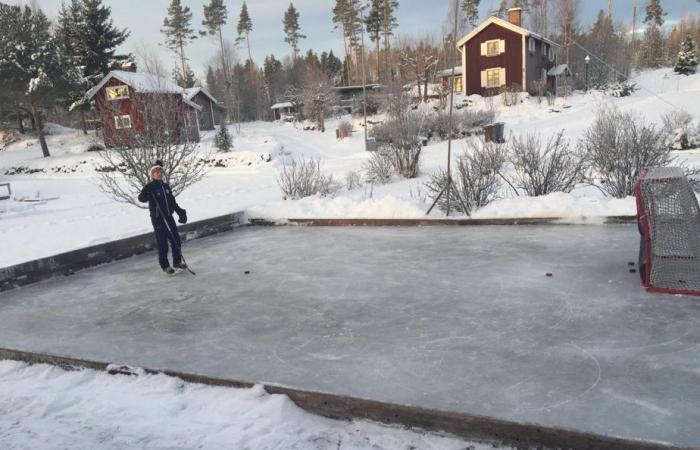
(669, 220)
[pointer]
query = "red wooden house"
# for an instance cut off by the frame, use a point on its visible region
(502, 54)
(130, 102)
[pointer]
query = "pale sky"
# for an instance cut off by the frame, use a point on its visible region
(144, 18)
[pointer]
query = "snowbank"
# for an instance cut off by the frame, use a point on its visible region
(48, 408)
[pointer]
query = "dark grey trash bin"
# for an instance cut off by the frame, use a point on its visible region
(499, 132)
(371, 144)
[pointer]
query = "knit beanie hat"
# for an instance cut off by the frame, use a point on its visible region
(157, 165)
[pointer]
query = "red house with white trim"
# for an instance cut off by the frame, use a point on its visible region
(123, 97)
(502, 54)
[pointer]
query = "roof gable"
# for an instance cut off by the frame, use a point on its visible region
(191, 93)
(140, 82)
(504, 24)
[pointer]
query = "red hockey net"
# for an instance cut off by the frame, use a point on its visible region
(669, 221)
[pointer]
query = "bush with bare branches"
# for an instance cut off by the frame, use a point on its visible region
(510, 95)
(378, 168)
(619, 145)
(303, 178)
(477, 178)
(681, 134)
(164, 136)
(545, 167)
(353, 180)
(344, 129)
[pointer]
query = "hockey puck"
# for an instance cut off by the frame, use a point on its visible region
(630, 263)
(247, 272)
(548, 274)
(633, 270)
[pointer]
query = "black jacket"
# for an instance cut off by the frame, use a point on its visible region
(158, 191)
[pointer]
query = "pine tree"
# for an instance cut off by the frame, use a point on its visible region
(32, 67)
(215, 17)
(291, 29)
(651, 50)
(223, 141)
(346, 16)
(245, 26)
(178, 32)
(502, 10)
(186, 79)
(389, 23)
(373, 24)
(655, 13)
(471, 10)
(687, 59)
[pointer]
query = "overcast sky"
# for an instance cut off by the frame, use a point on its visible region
(144, 19)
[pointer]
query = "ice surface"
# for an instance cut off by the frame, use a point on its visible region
(455, 318)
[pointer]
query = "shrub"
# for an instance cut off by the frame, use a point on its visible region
(619, 145)
(344, 129)
(545, 167)
(378, 168)
(353, 181)
(304, 178)
(465, 121)
(621, 89)
(223, 141)
(510, 95)
(679, 130)
(477, 180)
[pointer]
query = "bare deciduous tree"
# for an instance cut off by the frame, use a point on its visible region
(319, 98)
(420, 58)
(159, 129)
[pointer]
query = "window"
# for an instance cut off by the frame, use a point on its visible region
(458, 84)
(493, 78)
(493, 48)
(122, 122)
(550, 53)
(117, 92)
(531, 45)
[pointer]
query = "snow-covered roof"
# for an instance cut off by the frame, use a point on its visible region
(282, 105)
(504, 24)
(190, 93)
(189, 102)
(561, 69)
(140, 82)
(448, 72)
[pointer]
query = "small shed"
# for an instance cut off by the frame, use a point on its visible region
(211, 113)
(128, 102)
(350, 97)
(561, 75)
(447, 78)
(282, 110)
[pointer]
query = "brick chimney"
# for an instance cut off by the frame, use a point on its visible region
(129, 67)
(515, 16)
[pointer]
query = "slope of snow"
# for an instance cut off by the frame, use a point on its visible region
(79, 214)
(44, 407)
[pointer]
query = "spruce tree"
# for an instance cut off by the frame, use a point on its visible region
(178, 31)
(223, 141)
(687, 59)
(186, 79)
(245, 26)
(651, 50)
(291, 29)
(471, 11)
(32, 68)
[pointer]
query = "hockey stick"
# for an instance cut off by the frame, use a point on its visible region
(172, 235)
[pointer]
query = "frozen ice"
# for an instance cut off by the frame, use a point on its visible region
(454, 318)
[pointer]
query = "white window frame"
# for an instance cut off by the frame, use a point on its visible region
(497, 72)
(114, 88)
(531, 45)
(124, 126)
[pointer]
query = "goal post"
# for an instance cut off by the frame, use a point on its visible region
(669, 222)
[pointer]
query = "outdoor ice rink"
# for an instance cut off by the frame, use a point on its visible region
(453, 318)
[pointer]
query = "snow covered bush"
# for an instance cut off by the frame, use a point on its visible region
(621, 89)
(378, 168)
(477, 179)
(680, 131)
(303, 178)
(545, 167)
(223, 141)
(465, 121)
(619, 145)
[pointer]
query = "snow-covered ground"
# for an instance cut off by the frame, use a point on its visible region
(76, 213)
(44, 407)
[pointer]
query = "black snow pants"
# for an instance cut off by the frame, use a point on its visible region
(163, 236)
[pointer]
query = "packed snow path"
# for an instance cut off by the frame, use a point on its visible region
(455, 318)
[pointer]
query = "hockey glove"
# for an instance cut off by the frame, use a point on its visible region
(183, 217)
